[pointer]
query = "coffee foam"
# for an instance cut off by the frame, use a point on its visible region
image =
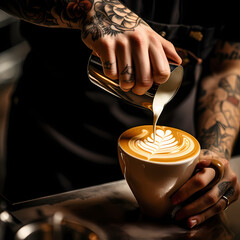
(170, 144)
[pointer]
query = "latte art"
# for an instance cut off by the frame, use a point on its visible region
(170, 144)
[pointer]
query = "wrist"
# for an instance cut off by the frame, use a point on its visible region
(213, 153)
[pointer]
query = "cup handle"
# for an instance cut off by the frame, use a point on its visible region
(219, 170)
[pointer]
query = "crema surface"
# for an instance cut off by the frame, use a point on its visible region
(170, 144)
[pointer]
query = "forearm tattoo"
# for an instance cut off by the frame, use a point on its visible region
(52, 13)
(219, 109)
(108, 17)
(223, 112)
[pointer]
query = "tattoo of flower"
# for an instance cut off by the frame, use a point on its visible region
(78, 9)
(111, 18)
(71, 13)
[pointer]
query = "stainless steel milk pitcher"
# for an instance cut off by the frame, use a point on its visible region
(97, 77)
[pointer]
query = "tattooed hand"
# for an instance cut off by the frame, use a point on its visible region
(211, 202)
(128, 48)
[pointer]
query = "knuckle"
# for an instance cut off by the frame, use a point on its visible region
(126, 83)
(211, 199)
(199, 182)
(161, 72)
(103, 43)
(121, 44)
(171, 45)
(154, 39)
(234, 179)
(111, 73)
(138, 41)
(225, 163)
(168, 43)
(220, 206)
(145, 83)
(126, 80)
(202, 218)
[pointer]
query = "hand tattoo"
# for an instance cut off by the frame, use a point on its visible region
(128, 70)
(107, 65)
(222, 188)
(230, 192)
(111, 18)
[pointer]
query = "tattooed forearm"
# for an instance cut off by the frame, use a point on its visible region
(220, 111)
(52, 13)
(218, 105)
(108, 17)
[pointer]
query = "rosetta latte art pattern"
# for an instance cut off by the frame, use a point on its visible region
(166, 145)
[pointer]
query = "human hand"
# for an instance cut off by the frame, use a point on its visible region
(128, 48)
(208, 203)
(215, 228)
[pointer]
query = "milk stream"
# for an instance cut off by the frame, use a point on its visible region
(157, 110)
(160, 100)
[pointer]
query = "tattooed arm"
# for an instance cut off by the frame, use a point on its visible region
(218, 114)
(50, 13)
(128, 48)
(218, 122)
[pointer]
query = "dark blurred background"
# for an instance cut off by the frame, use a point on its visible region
(13, 50)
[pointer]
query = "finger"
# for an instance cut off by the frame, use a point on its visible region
(212, 211)
(197, 182)
(125, 68)
(109, 63)
(143, 71)
(220, 206)
(201, 204)
(160, 65)
(171, 52)
(209, 200)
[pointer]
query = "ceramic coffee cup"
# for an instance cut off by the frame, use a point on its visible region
(154, 170)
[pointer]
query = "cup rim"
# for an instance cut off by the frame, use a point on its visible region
(178, 162)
